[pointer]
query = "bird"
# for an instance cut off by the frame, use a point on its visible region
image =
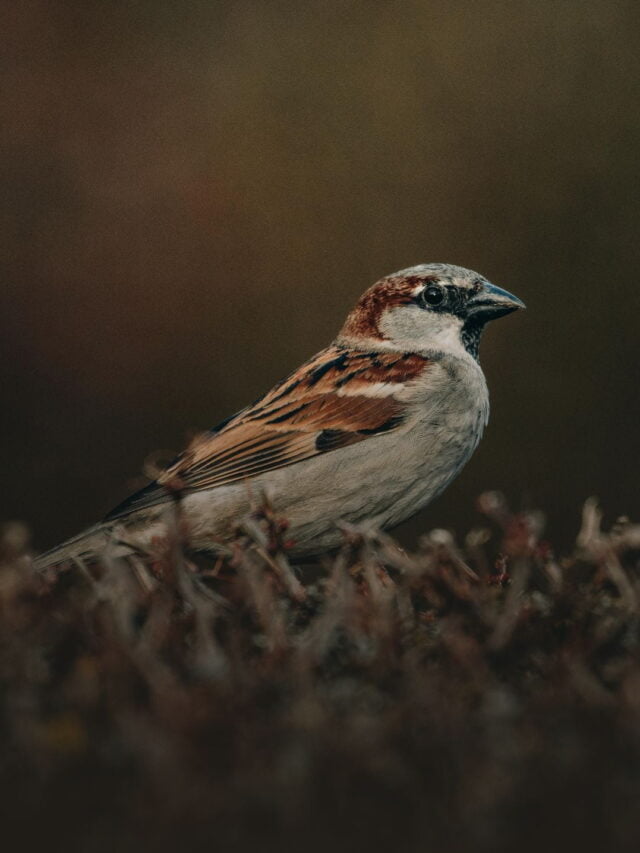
(372, 428)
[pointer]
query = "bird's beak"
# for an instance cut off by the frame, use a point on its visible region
(491, 302)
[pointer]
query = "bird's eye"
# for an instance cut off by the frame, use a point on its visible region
(433, 294)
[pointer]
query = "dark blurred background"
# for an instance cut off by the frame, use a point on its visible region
(195, 193)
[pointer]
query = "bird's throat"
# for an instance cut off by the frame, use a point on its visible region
(470, 334)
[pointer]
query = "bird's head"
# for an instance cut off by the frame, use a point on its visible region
(429, 307)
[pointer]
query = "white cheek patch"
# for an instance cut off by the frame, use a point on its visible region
(446, 332)
(413, 329)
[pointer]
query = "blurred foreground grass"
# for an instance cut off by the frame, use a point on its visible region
(472, 696)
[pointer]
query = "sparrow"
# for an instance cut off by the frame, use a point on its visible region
(371, 428)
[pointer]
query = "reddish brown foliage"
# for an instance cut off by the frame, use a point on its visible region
(476, 698)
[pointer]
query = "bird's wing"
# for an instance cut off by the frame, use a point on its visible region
(337, 398)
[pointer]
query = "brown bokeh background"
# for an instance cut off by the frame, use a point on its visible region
(194, 194)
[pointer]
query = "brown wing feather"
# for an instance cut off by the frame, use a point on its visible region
(305, 415)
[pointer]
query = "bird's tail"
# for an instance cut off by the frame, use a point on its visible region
(89, 546)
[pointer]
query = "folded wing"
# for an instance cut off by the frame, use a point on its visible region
(338, 398)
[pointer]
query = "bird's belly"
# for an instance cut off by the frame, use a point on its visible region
(440, 452)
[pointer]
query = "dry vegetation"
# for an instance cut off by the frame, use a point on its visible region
(475, 696)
